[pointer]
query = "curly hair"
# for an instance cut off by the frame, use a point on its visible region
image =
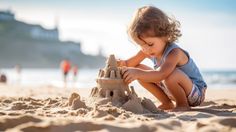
(150, 21)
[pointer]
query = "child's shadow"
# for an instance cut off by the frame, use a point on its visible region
(210, 109)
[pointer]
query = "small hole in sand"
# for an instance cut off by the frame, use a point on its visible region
(126, 93)
(111, 93)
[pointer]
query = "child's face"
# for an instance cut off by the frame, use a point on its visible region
(153, 46)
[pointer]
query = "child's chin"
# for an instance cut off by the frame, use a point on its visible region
(152, 55)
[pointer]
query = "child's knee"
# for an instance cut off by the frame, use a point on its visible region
(173, 77)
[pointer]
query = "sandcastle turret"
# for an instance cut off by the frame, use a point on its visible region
(110, 83)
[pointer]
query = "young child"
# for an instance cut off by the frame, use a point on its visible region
(175, 76)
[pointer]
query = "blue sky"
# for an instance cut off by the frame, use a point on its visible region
(208, 26)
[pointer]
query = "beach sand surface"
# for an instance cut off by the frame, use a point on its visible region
(47, 109)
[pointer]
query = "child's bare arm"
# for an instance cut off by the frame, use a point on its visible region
(133, 61)
(164, 70)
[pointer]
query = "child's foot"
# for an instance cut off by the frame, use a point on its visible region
(166, 106)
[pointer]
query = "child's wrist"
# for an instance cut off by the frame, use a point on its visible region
(125, 63)
(139, 73)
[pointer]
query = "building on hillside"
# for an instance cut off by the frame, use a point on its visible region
(6, 15)
(72, 46)
(39, 32)
(35, 31)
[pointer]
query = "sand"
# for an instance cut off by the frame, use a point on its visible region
(52, 109)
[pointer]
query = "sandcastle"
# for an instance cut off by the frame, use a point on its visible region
(111, 88)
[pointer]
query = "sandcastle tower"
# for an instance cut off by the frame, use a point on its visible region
(112, 88)
(110, 83)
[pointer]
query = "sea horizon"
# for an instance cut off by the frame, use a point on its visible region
(87, 77)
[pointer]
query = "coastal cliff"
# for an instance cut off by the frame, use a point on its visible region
(33, 46)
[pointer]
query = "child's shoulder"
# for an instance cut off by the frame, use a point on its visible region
(173, 49)
(176, 52)
(180, 56)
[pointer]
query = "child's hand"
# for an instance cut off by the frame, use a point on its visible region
(121, 63)
(129, 74)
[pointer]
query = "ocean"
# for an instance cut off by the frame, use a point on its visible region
(87, 78)
(220, 78)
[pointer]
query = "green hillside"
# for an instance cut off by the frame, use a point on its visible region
(17, 46)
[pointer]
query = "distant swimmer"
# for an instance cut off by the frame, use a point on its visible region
(75, 72)
(65, 67)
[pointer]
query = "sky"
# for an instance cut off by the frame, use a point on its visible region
(208, 26)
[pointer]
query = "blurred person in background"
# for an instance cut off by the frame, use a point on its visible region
(65, 67)
(75, 72)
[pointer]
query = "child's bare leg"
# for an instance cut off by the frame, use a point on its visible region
(180, 86)
(157, 92)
